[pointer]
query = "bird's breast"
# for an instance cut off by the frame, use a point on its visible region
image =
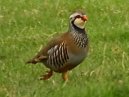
(76, 58)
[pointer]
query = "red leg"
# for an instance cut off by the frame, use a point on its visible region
(65, 76)
(47, 75)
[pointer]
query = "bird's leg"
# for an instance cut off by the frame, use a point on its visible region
(47, 75)
(65, 76)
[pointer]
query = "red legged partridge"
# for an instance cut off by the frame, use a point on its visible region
(66, 51)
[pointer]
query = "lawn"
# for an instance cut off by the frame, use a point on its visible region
(26, 25)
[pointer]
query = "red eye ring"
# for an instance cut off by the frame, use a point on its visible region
(84, 17)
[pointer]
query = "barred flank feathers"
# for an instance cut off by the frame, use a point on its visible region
(58, 56)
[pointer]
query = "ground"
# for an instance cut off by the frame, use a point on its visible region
(26, 25)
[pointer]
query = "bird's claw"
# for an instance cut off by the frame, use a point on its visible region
(47, 75)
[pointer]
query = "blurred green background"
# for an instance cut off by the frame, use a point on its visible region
(26, 25)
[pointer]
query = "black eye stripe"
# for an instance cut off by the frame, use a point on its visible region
(78, 16)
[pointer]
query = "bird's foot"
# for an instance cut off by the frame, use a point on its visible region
(65, 78)
(47, 75)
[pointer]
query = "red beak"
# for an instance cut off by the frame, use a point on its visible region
(84, 18)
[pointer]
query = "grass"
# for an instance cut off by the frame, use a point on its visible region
(25, 25)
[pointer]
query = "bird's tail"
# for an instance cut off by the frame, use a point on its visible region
(37, 59)
(32, 61)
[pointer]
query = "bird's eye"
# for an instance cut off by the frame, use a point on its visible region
(78, 16)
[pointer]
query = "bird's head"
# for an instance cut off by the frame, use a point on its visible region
(78, 19)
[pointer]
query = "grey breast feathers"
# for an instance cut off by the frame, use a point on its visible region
(57, 56)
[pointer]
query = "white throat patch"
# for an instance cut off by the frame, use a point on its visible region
(79, 23)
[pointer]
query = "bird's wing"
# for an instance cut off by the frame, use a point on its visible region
(48, 50)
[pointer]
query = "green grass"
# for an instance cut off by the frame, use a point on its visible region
(25, 25)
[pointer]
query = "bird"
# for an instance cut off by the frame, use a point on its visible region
(67, 50)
